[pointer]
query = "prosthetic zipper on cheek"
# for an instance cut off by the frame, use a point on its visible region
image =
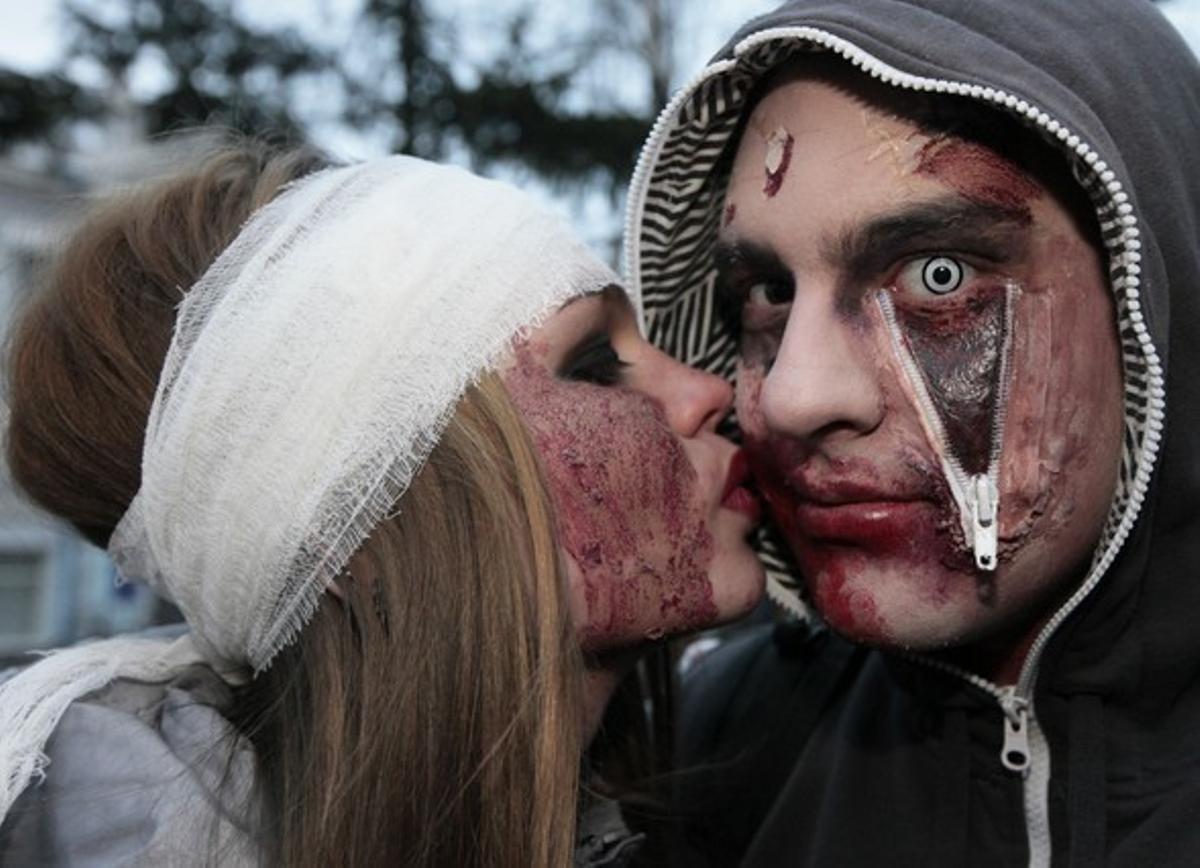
(957, 362)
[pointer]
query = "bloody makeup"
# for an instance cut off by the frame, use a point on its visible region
(979, 175)
(778, 158)
(854, 449)
(626, 502)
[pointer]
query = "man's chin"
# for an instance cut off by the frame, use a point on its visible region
(893, 606)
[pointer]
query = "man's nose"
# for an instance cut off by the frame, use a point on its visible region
(823, 383)
(694, 400)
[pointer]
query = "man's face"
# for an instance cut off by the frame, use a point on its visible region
(837, 211)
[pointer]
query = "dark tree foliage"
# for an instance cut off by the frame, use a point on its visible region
(219, 69)
(33, 108)
(420, 93)
(424, 113)
(513, 111)
(508, 119)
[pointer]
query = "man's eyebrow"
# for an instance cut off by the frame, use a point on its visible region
(953, 223)
(740, 253)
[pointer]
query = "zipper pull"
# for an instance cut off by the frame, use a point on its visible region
(1015, 752)
(983, 520)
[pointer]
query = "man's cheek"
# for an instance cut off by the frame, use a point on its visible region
(1028, 465)
(771, 458)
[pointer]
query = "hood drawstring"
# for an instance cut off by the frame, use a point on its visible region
(1086, 809)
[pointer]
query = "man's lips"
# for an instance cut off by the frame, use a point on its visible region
(838, 492)
(854, 512)
(871, 522)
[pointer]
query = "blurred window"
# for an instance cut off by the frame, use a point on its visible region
(22, 588)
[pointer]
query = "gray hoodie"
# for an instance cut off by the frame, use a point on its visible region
(1109, 697)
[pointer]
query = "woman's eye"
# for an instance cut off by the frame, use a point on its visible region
(938, 275)
(596, 362)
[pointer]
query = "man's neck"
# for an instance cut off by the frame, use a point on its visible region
(998, 658)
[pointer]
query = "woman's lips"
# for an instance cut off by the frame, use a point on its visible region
(737, 494)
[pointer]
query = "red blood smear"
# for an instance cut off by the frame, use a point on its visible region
(774, 180)
(730, 213)
(836, 547)
(627, 504)
(979, 174)
(855, 615)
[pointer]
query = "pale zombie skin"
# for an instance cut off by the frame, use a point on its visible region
(648, 499)
(868, 202)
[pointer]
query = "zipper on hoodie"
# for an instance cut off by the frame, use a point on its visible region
(1015, 701)
(977, 495)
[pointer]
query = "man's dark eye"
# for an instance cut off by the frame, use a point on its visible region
(596, 362)
(770, 292)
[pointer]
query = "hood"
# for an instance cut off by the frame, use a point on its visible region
(1114, 87)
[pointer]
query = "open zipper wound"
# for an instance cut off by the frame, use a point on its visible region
(977, 495)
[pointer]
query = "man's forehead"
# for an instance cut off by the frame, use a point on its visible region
(849, 169)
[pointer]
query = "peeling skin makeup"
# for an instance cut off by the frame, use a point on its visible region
(625, 498)
(652, 507)
(929, 380)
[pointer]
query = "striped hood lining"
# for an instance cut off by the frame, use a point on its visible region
(674, 219)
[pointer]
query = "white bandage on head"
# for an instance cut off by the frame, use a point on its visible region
(312, 370)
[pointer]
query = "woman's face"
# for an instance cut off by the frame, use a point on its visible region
(650, 502)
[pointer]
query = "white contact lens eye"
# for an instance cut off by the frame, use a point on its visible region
(941, 275)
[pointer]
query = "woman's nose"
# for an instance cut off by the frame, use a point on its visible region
(823, 382)
(694, 400)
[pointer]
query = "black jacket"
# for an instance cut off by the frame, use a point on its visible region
(819, 753)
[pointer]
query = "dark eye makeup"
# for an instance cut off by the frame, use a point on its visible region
(595, 361)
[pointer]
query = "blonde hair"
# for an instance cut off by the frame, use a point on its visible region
(432, 716)
(429, 716)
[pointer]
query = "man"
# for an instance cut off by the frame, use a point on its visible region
(949, 248)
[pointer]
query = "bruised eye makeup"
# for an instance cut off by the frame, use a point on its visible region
(595, 361)
(769, 293)
(750, 278)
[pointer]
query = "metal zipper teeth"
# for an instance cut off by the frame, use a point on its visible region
(958, 476)
(961, 482)
(1000, 408)
(1126, 251)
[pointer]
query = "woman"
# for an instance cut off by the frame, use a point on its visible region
(399, 455)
